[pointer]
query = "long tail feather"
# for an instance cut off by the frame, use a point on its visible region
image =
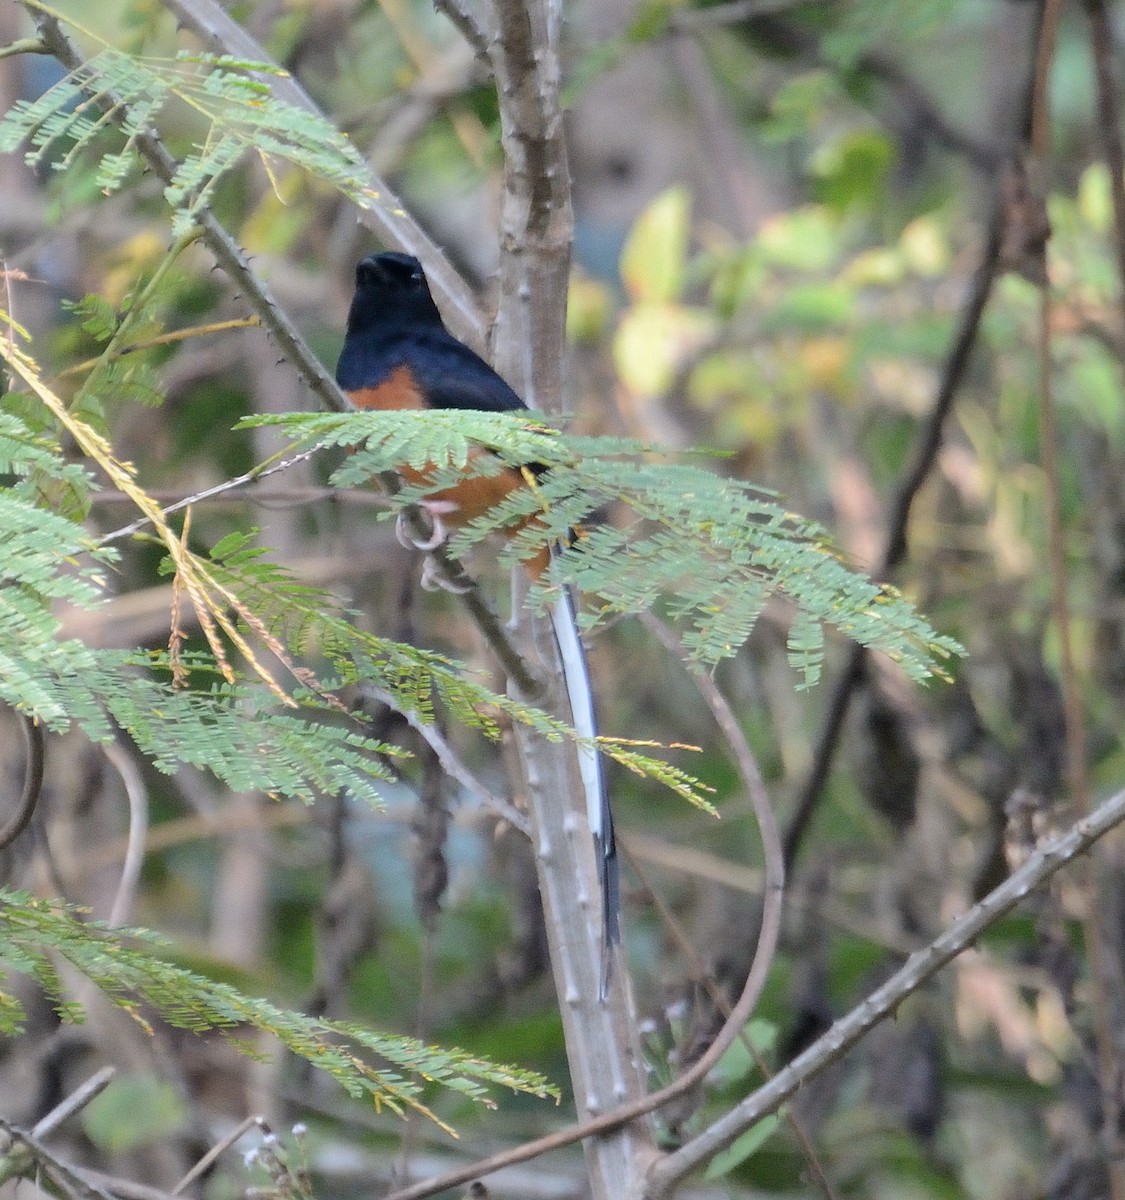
(577, 677)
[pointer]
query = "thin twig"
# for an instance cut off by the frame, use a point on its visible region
(263, 470)
(220, 1147)
(141, 303)
(172, 337)
(450, 763)
(299, 494)
(885, 1000)
(75, 1102)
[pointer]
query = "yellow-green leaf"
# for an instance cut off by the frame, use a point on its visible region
(654, 259)
(654, 343)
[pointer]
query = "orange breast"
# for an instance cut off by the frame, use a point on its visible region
(398, 391)
(473, 497)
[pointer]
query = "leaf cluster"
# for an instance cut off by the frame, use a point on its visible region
(390, 1071)
(705, 551)
(228, 95)
(191, 715)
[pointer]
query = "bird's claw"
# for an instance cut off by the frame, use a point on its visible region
(432, 578)
(436, 510)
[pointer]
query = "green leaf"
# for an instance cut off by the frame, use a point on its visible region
(705, 551)
(743, 1147)
(242, 117)
(852, 171)
(655, 341)
(1094, 200)
(800, 104)
(806, 239)
(134, 1111)
(738, 1063)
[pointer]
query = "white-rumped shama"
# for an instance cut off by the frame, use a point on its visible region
(398, 354)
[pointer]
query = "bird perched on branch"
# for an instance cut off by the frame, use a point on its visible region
(398, 355)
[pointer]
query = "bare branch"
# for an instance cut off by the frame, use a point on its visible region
(884, 1001)
(450, 763)
(222, 1145)
(75, 1102)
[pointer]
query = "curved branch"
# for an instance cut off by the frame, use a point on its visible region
(32, 782)
(136, 796)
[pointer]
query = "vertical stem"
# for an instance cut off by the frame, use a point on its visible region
(1077, 767)
(1101, 46)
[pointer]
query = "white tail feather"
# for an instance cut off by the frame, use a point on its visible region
(577, 678)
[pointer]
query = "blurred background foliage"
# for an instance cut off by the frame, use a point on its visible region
(780, 208)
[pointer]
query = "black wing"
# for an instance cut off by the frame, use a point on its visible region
(450, 375)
